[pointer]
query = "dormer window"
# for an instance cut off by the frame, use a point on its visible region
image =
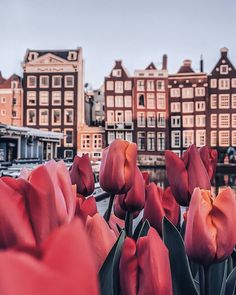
(14, 84)
(72, 55)
(224, 69)
(32, 56)
(116, 73)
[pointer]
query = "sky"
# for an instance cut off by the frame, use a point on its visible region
(135, 31)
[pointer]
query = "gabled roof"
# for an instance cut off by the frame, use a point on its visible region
(186, 67)
(224, 57)
(2, 80)
(151, 66)
(118, 66)
(7, 83)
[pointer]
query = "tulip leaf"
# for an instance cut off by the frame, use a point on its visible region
(230, 283)
(137, 230)
(182, 280)
(109, 272)
(144, 229)
(217, 277)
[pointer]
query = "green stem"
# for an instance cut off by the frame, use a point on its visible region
(129, 224)
(201, 280)
(108, 212)
(207, 273)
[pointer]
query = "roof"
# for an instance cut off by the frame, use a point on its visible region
(151, 66)
(7, 83)
(1, 78)
(186, 67)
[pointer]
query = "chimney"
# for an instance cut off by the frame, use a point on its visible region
(224, 51)
(164, 62)
(201, 64)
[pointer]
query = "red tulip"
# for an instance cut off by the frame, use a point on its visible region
(185, 174)
(134, 199)
(118, 166)
(55, 273)
(85, 207)
(209, 158)
(118, 210)
(145, 267)
(115, 223)
(146, 177)
(82, 175)
(158, 204)
(101, 237)
(210, 230)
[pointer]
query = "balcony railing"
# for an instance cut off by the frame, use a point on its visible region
(119, 126)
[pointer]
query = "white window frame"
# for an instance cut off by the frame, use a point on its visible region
(175, 135)
(119, 101)
(110, 85)
(54, 78)
(188, 140)
(200, 106)
(222, 121)
(110, 101)
(69, 98)
(175, 92)
(151, 101)
(187, 92)
(31, 95)
(41, 121)
(56, 98)
(175, 107)
(213, 99)
(35, 120)
(224, 101)
(41, 84)
(43, 98)
(70, 144)
(214, 121)
(213, 83)
(52, 117)
(119, 86)
(200, 120)
(200, 91)
(222, 137)
(224, 84)
(175, 121)
(65, 121)
(70, 78)
(128, 85)
(200, 134)
(161, 101)
(141, 123)
(151, 120)
(128, 101)
(31, 85)
(161, 119)
(213, 138)
(187, 107)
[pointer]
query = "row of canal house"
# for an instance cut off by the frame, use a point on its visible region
(162, 111)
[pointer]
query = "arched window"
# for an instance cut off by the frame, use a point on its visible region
(141, 100)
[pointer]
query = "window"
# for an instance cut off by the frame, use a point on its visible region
(119, 101)
(3, 112)
(69, 81)
(151, 141)
(44, 81)
(14, 100)
(200, 138)
(224, 101)
(175, 107)
(110, 101)
(213, 83)
(161, 101)
(161, 120)
(188, 121)
(68, 141)
(43, 98)
(85, 141)
(43, 117)
(3, 100)
(128, 85)
(111, 136)
(188, 138)
(120, 135)
(234, 138)
(224, 69)
(224, 120)
(224, 83)
(128, 116)
(97, 141)
(233, 101)
(175, 121)
(140, 85)
(56, 117)
(151, 101)
(150, 85)
(214, 121)
(224, 138)
(110, 85)
(141, 100)
(160, 85)
(68, 154)
(141, 119)
(151, 120)
(14, 114)
(213, 101)
(213, 138)
(128, 101)
(175, 92)
(128, 136)
(200, 120)
(187, 92)
(200, 91)
(175, 139)
(141, 141)
(187, 107)
(56, 98)
(69, 97)
(233, 82)
(233, 120)
(116, 73)
(200, 105)
(119, 117)
(119, 86)
(72, 55)
(68, 116)
(160, 141)
(31, 82)
(31, 117)
(31, 98)
(110, 117)
(56, 81)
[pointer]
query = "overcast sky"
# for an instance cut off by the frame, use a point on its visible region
(136, 31)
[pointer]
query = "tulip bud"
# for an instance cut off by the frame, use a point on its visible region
(118, 166)
(81, 174)
(210, 231)
(209, 158)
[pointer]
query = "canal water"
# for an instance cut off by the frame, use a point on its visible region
(158, 176)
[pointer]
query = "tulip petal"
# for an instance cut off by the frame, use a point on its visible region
(129, 268)
(177, 177)
(209, 158)
(170, 206)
